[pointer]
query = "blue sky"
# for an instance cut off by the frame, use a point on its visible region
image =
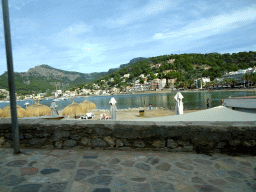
(96, 35)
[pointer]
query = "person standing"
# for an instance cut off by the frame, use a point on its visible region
(207, 103)
(222, 101)
(150, 105)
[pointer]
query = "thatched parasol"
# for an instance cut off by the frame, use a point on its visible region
(1, 112)
(37, 109)
(88, 104)
(74, 110)
(7, 111)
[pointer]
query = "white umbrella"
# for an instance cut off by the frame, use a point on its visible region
(179, 105)
(113, 109)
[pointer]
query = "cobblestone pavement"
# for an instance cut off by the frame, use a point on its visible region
(124, 171)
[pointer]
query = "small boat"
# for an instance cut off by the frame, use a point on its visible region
(26, 104)
(63, 98)
(56, 100)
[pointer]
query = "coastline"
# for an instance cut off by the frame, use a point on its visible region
(174, 91)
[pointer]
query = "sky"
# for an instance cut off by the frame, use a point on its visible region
(96, 35)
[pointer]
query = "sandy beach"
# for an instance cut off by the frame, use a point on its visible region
(124, 114)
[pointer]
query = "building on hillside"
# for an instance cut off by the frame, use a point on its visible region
(54, 94)
(96, 86)
(145, 79)
(171, 61)
(141, 76)
(162, 84)
(127, 75)
(155, 84)
(166, 71)
(123, 80)
(73, 94)
(158, 65)
(115, 90)
(103, 80)
(103, 92)
(3, 91)
(238, 75)
(28, 97)
(152, 66)
(137, 81)
(203, 80)
(111, 79)
(171, 82)
(156, 74)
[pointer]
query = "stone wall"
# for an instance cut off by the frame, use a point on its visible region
(200, 137)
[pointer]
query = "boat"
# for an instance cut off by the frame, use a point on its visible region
(63, 98)
(45, 117)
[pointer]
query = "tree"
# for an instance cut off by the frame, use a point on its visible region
(253, 77)
(152, 76)
(247, 78)
(199, 83)
(160, 75)
(227, 81)
(141, 81)
(233, 82)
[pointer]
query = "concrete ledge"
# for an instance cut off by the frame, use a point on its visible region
(200, 137)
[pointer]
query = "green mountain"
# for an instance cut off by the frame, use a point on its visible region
(44, 77)
(184, 67)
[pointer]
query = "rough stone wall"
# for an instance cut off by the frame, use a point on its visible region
(200, 137)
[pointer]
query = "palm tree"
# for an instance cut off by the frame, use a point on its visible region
(222, 83)
(233, 82)
(215, 83)
(247, 78)
(208, 84)
(253, 77)
(226, 81)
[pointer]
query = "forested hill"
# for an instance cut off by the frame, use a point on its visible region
(184, 67)
(44, 77)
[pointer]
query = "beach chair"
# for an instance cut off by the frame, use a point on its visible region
(104, 116)
(87, 116)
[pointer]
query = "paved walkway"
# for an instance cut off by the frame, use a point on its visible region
(124, 171)
(219, 113)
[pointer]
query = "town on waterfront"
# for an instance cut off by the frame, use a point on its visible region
(153, 81)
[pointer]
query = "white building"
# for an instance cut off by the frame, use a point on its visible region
(141, 75)
(127, 75)
(203, 80)
(59, 91)
(238, 75)
(162, 83)
(111, 79)
(137, 81)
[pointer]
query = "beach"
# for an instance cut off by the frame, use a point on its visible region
(124, 114)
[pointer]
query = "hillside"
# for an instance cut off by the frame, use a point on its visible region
(184, 67)
(44, 77)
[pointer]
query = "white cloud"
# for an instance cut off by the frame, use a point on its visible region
(212, 26)
(77, 28)
(19, 4)
(151, 9)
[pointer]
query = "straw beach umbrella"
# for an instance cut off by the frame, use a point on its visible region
(74, 110)
(7, 111)
(88, 104)
(37, 109)
(1, 112)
